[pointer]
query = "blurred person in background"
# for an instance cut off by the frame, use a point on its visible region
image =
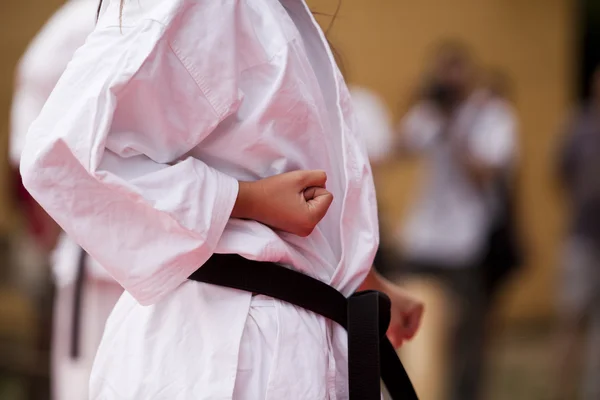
(579, 302)
(469, 137)
(85, 292)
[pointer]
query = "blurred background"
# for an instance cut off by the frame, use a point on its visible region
(525, 67)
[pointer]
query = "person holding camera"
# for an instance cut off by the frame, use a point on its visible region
(468, 136)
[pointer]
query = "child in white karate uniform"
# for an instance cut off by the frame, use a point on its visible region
(184, 129)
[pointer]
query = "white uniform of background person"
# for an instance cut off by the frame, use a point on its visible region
(38, 72)
(374, 123)
(136, 155)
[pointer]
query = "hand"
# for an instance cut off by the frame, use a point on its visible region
(293, 202)
(406, 316)
(406, 312)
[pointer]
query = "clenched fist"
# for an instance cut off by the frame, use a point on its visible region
(293, 202)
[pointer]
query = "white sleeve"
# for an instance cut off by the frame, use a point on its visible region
(420, 127)
(374, 123)
(493, 140)
(107, 160)
(42, 65)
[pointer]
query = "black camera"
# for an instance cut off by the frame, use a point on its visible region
(444, 95)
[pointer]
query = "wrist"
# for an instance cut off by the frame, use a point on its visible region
(244, 203)
(374, 281)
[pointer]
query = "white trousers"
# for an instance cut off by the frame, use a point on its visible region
(70, 377)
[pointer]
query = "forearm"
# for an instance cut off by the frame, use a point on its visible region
(247, 200)
(374, 281)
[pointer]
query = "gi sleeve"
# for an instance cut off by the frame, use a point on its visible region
(108, 160)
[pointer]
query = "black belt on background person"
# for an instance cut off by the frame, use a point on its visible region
(365, 315)
(75, 350)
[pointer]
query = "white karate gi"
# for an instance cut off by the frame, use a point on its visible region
(137, 155)
(38, 72)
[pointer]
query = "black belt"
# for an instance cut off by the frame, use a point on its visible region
(77, 300)
(365, 315)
